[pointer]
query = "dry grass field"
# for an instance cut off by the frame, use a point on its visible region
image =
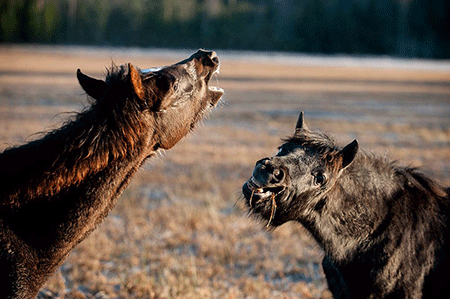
(180, 229)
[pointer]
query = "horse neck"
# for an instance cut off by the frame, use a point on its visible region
(65, 183)
(356, 206)
(374, 202)
(67, 157)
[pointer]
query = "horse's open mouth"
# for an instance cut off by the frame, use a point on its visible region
(259, 197)
(263, 191)
(214, 73)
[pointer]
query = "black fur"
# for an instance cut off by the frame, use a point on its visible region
(383, 227)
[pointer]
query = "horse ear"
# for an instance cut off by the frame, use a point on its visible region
(136, 81)
(348, 153)
(93, 87)
(300, 123)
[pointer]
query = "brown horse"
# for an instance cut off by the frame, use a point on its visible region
(54, 191)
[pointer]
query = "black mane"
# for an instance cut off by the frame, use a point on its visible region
(414, 178)
(317, 141)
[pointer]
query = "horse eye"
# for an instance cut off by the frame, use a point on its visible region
(319, 178)
(175, 86)
(281, 152)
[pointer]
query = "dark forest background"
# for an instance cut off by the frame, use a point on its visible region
(404, 28)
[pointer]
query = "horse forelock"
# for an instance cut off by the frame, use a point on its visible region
(318, 143)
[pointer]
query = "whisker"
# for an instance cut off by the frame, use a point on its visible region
(216, 77)
(273, 208)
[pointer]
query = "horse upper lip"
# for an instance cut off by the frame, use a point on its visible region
(257, 187)
(254, 185)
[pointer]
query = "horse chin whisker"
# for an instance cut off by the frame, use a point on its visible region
(273, 208)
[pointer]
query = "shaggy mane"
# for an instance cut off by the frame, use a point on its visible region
(101, 134)
(415, 179)
(320, 142)
(324, 145)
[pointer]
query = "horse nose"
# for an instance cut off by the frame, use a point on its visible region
(271, 172)
(207, 58)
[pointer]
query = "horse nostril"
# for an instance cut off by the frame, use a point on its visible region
(266, 161)
(210, 59)
(278, 174)
(263, 162)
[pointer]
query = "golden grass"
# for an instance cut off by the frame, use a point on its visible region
(180, 230)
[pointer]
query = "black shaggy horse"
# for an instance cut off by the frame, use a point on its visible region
(383, 227)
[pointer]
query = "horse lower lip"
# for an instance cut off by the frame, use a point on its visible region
(254, 187)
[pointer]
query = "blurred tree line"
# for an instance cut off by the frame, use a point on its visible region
(406, 28)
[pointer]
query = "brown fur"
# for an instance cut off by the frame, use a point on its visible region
(54, 191)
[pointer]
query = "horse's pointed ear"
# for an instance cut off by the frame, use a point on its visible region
(136, 81)
(348, 153)
(300, 123)
(93, 87)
